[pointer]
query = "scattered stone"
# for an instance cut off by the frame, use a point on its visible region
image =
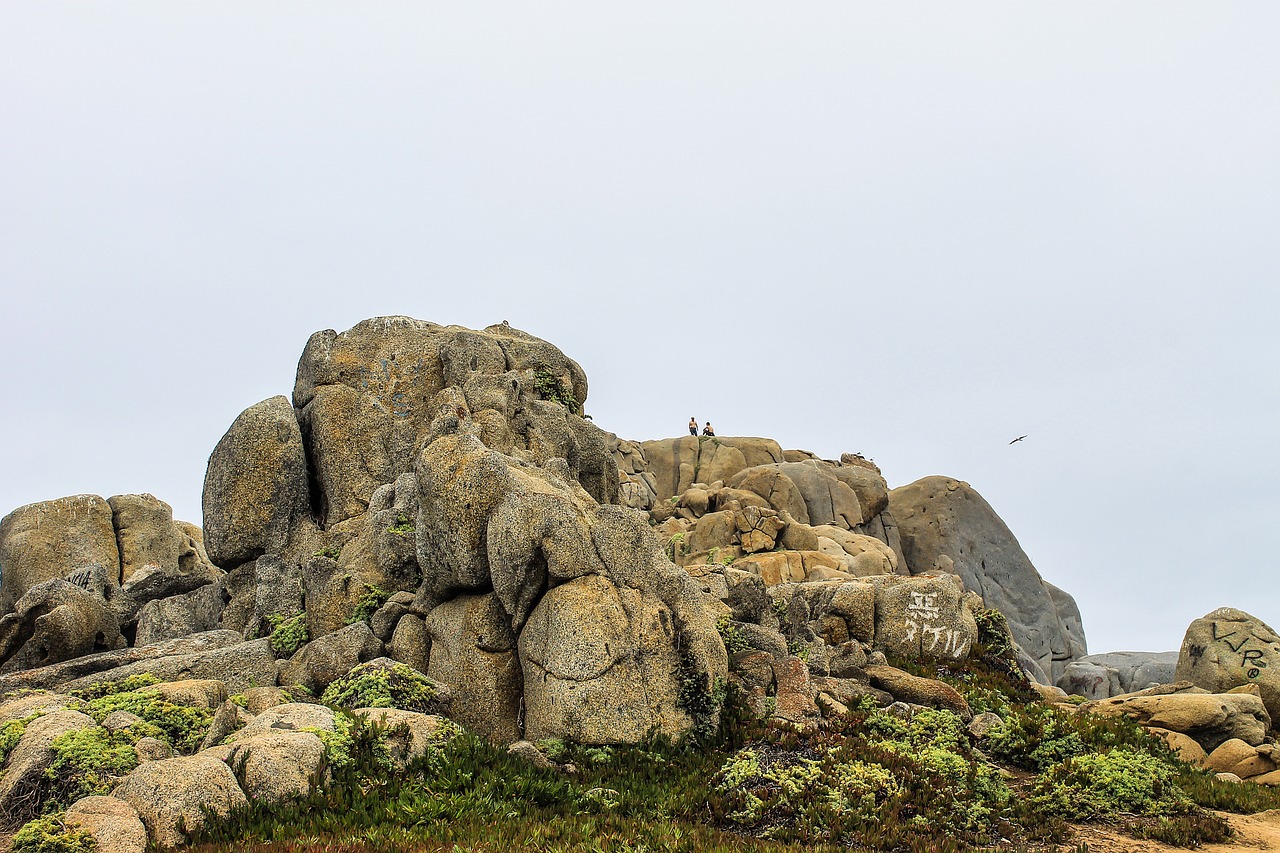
(113, 823)
(918, 691)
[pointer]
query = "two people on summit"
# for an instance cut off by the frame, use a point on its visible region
(706, 430)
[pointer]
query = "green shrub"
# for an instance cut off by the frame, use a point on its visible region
(1035, 737)
(180, 726)
(734, 641)
(10, 734)
(403, 526)
(50, 834)
(551, 387)
(1098, 785)
(367, 605)
(288, 635)
(381, 686)
(124, 685)
(87, 762)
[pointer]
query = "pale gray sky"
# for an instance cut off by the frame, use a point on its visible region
(914, 230)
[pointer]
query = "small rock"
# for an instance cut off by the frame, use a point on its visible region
(117, 720)
(152, 749)
(173, 795)
(530, 753)
(113, 823)
(984, 723)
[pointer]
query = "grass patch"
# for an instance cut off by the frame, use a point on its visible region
(182, 727)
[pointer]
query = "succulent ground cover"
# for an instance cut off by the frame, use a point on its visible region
(875, 780)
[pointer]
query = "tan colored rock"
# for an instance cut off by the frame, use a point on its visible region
(113, 823)
(918, 691)
(58, 620)
(193, 692)
(325, 659)
(795, 695)
(1230, 753)
(1272, 779)
(600, 665)
(152, 749)
(52, 539)
(255, 488)
(32, 703)
(830, 706)
(1210, 718)
(474, 652)
(411, 735)
(1184, 746)
(530, 753)
(173, 796)
(228, 719)
(278, 766)
(1049, 693)
(411, 643)
(714, 530)
(678, 463)
(926, 618)
(774, 567)
(145, 533)
(239, 667)
(290, 717)
(1228, 648)
(259, 699)
(865, 555)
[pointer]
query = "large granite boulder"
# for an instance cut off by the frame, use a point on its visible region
(1209, 718)
(176, 796)
(946, 526)
(255, 488)
(924, 618)
(28, 761)
(146, 534)
(473, 650)
(114, 824)
(601, 665)
(54, 539)
(1228, 648)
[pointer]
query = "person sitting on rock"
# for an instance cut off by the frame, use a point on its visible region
(693, 426)
(708, 429)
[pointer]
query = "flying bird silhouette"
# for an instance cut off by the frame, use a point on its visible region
(1016, 440)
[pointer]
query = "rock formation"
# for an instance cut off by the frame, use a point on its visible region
(432, 512)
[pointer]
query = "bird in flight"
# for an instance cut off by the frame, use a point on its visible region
(1016, 440)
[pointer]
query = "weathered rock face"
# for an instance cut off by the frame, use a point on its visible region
(145, 533)
(675, 464)
(1106, 675)
(255, 488)
(1228, 648)
(946, 525)
(56, 621)
(601, 665)
(54, 539)
(367, 398)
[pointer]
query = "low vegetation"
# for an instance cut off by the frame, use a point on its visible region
(874, 779)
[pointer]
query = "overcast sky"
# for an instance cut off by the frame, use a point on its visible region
(910, 230)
